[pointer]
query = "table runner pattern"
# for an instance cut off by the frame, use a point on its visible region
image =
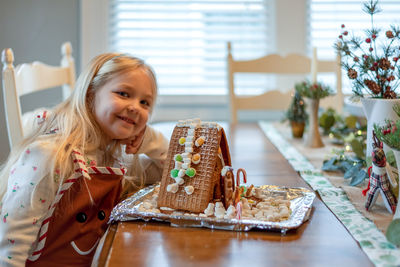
(372, 241)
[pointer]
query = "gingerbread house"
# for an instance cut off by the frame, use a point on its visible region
(197, 169)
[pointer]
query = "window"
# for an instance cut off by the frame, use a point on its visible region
(186, 41)
(327, 16)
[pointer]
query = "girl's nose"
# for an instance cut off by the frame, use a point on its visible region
(133, 108)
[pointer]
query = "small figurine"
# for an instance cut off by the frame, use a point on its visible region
(378, 180)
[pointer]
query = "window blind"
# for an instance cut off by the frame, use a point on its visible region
(186, 41)
(326, 17)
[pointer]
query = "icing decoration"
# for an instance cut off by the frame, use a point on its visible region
(179, 180)
(231, 211)
(182, 141)
(239, 210)
(173, 188)
(209, 211)
(178, 157)
(185, 166)
(178, 165)
(174, 173)
(191, 172)
(200, 141)
(219, 210)
(189, 189)
(225, 169)
(181, 173)
(196, 158)
(186, 155)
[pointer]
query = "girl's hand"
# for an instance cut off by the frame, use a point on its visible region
(133, 145)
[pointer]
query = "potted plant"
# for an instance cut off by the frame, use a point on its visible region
(313, 92)
(297, 115)
(371, 63)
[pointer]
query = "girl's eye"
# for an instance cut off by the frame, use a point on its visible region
(124, 94)
(145, 102)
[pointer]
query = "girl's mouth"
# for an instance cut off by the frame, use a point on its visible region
(126, 119)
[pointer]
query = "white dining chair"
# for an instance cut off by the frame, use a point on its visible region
(28, 78)
(292, 64)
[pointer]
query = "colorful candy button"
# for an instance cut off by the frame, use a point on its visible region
(190, 172)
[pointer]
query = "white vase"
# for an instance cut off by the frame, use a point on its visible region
(393, 230)
(377, 110)
(313, 137)
(397, 157)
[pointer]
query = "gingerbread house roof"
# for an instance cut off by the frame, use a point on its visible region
(194, 193)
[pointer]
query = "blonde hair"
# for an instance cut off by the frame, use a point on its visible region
(74, 117)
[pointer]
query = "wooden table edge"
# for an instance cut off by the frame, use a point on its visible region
(105, 247)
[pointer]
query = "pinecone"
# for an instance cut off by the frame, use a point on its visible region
(373, 86)
(352, 74)
(389, 34)
(389, 94)
(384, 64)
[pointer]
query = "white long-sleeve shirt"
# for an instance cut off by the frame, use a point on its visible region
(31, 190)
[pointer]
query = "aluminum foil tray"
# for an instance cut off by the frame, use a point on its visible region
(301, 200)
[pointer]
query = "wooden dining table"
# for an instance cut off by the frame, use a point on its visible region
(320, 241)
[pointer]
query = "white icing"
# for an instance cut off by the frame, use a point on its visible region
(185, 166)
(178, 165)
(209, 211)
(219, 205)
(173, 188)
(181, 172)
(189, 189)
(192, 123)
(186, 155)
(219, 210)
(179, 180)
(231, 212)
(225, 169)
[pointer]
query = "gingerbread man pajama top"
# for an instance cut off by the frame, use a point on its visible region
(45, 223)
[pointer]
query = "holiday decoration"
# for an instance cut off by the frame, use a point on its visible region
(297, 115)
(370, 61)
(313, 92)
(379, 180)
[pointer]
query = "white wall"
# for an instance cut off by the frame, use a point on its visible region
(35, 30)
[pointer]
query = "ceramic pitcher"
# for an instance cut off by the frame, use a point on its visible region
(393, 230)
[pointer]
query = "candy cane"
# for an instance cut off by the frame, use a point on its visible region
(106, 170)
(239, 210)
(240, 170)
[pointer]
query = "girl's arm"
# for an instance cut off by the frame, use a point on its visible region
(29, 193)
(147, 167)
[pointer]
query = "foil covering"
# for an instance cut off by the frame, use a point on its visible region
(301, 200)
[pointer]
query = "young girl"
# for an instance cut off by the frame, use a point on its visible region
(60, 184)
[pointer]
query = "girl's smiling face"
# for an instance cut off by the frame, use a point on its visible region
(122, 105)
